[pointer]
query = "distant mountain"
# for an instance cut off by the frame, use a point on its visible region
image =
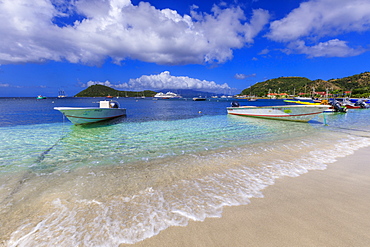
(359, 85)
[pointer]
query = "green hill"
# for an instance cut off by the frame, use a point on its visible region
(103, 91)
(358, 84)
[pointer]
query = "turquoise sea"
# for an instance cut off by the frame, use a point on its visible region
(166, 163)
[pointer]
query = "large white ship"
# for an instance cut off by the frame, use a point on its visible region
(168, 95)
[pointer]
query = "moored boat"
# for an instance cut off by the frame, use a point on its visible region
(200, 98)
(61, 94)
(335, 105)
(302, 98)
(362, 104)
(85, 115)
(300, 113)
(40, 97)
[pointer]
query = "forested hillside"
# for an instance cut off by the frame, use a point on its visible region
(359, 85)
(103, 91)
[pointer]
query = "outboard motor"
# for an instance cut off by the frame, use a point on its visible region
(235, 104)
(362, 104)
(358, 102)
(113, 104)
(338, 107)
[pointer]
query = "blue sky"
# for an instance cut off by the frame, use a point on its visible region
(214, 46)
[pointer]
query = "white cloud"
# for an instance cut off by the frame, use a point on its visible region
(317, 19)
(264, 52)
(165, 80)
(331, 48)
(120, 30)
(322, 18)
(4, 85)
(105, 83)
(243, 76)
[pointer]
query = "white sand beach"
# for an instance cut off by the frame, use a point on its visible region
(320, 208)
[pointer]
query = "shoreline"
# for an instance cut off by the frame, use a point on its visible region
(320, 208)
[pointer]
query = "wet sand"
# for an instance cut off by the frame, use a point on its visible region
(319, 208)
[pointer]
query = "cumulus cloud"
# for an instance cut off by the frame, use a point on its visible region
(32, 31)
(105, 83)
(243, 76)
(317, 19)
(322, 18)
(331, 48)
(165, 80)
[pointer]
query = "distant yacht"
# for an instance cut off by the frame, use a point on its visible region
(61, 94)
(168, 95)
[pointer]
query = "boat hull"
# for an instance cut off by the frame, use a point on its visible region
(300, 113)
(90, 115)
(199, 99)
(352, 106)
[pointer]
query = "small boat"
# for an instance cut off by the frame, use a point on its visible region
(348, 104)
(335, 106)
(300, 113)
(302, 98)
(199, 98)
(359, 104)
(85, 115)
(40, 97)
(362, 104)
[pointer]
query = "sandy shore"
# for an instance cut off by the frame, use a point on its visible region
(320, 208)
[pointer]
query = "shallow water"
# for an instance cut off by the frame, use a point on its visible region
(166, 163)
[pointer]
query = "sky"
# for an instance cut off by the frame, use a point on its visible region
(213, 46)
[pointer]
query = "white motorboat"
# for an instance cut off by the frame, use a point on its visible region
(168, 95)
(300, 113)
(85, 115)
(302, 98)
